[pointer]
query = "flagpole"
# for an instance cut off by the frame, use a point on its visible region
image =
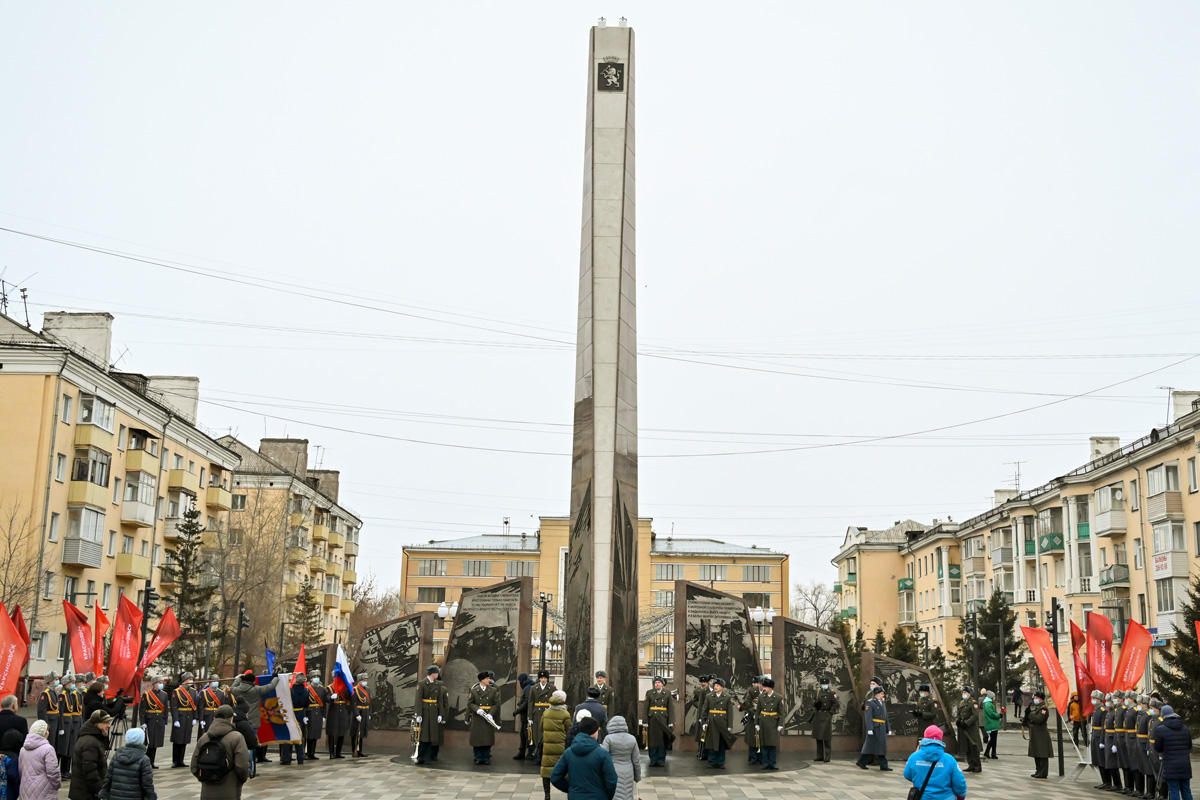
(148, 598)
(1062, 769)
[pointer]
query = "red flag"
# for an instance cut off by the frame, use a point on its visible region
(11, 645)
(299, 664)
(126, 642)
(83, 650)
(1083, 680)
(1099, 648)
(1132, 663)
(18, 620)
(102, 627)
(166, 632)
(1038, 640)
(1198, 631)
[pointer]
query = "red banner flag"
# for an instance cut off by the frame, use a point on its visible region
(1132, 663)
(102, 627)
(83, 650)
(1198, 632)
(1099, 649)
(11, 659)
(166, 632)
(18, 620)
(123, 654)
(1083, 680)
(300, 667)
(1055, 678)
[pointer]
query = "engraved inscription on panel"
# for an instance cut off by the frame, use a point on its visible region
(389, 658)
(809, 654)
(484, 637)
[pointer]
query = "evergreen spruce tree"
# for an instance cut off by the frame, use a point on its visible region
(903, 647)
(947, 676)
(194, 588)
(990, 640)
(879, 645)
(305, 616)
(1178, 664)
(853, 644)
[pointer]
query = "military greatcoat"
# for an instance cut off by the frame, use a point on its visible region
(769, 716)
(717, 710)
(486, 699)
(433, 701)
(539, 698)
(1039, 734)
(822, 715)
(658, 713)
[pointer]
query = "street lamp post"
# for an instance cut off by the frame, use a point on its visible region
(762, 619)
(545, 599)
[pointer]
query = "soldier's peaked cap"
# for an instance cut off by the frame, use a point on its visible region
(877, 679)
(757, 679)
(924, 687)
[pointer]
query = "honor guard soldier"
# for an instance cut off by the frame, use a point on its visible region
(210, 701)
(360, 723)
(71, 705)
(876, 683)
(155, 704)
(525, 749)
(606, 692)
(698, 698)
(1145, 771)
(183, 716)
(539, 699)
(822, 720)
(718, 737)
(768, 723)
(318, 704)
(49, 707)
(967, 722)
(1125, 742)
(482, 704)
(1154, 758)
(1096, 746)
(657, 720)
(300, 700)
(337, 722)
(748, 717)
(927, 710)
(1136, 737)
(433, 706)
(875, 722)
(1112, 749)
(1040, 749)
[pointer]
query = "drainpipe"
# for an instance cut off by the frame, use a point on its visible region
(37, 594)
(1151, 599)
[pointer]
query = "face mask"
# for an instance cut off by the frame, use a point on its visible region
(215, 684)
(924, 695)
(316, 681)
(159, 687)
(1037, 700)
(57, 684)
(824, 685)
(966, 697)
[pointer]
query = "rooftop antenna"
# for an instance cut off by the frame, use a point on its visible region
(121, 357)
(1169, 390)
(25, 302)
(506, 526)
(320, 456)
(602, 23)
(1016, 479)
(3, 292)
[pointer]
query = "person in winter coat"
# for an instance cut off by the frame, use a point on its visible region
(235, 750)
(595, 708)
(585, 771)
(1040, 749)
(521, 715)
(1075, 714)
(946, 781)
(1173, 739)
(627, 761)
(10, 720)
(246, 696)
(89, 760)
(39, 765)
(993, 721)
(130, 774)
(556, 721)
(10, 755)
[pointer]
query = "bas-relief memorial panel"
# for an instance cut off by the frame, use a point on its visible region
(809, 653)
(901, 681)
(717, 641)
(390, 658)
(485, 636)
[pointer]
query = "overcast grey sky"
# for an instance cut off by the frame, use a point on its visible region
(854, 220)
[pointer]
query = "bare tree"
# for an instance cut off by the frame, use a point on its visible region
(814, 603)
(19, 574)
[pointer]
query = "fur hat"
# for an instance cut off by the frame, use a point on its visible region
(432, 669)
(601, 673)
(768, 683)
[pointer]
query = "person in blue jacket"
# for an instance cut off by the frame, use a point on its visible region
(586, 771)
(946, 781)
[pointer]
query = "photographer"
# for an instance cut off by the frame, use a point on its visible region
(94, 700)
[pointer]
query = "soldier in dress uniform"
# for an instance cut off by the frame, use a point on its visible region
(698, 698)
(1129, 724)
(1153, 757)
(1112, 747)
(49, 707)
(822, 720)
(209, 701)
(875, 722)
(718, 736)
(183, 716)
(539, 700)
(606, 692)
(876, 683)
(360, 721)
(1096, 746)
(71, 706)
(657, 716)
(927, 710)
(433, 707)
(769, 714)
(1040, 749)
(318, 705)
(154, 705)
(967, 721)
(337, 721)
(1145, 770)
(749, 713)
(298, 692)
(482, 704)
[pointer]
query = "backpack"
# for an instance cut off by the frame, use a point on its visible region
(212, 763)
(4, 777)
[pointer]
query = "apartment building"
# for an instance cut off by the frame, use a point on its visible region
(291, 514)
(1119, 535)
(97, 467)
(434, 576)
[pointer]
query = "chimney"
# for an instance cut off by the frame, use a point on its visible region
(177, 391)
(89, 334)
(292, 454)
(326, 482)
(1002, 496)
(1100, 446)
(1181, 403)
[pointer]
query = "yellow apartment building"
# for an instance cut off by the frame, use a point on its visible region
(97, 467)
(438, 572)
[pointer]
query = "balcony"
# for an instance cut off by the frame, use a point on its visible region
(975, 565)
(955, 572)
(297, 519)
(1002, 556)
(349, 576)
(1114, 576)
(171, 529)
(137, 513)
(216, 497)
(351, 547)
(141, 461)
(851, 578)
(347, 606)
(167, 582)
(1110, 523)
(333, 568)
(88, 494)
(1050, 543)
(332, 600)
(337, 540)
(297, 555)
(1031, 596)
(1030, 547)
(908, 618)
(82, 553)
(1164, 506)
(317, 564)
(837, 588)
(904, 585)
(848, 613)
(1083, 531)
(290, 590)
(320, 533)
(93, 436)
(131, 566)
(184, 480)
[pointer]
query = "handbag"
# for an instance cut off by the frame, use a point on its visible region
(914, 793)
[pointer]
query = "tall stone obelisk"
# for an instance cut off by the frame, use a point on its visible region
(601, 577)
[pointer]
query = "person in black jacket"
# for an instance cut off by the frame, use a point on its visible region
(593, 706)
(299, 693)
(130, 775)
(10, 720)
(521, 715)
(1173, 739)
(94, 700)
(89, 758)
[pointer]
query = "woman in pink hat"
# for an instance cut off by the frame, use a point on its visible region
(933, 771)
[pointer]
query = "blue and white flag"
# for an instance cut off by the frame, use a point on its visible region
(270, 658)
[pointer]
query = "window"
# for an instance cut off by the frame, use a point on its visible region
(60, 468)
(1137, 553)
(145, 548)
(127, 545)
(90, 597)
(1134, 500)
(1103, 557)
(178, 461)
(477, 569)
(1193, 478)
(1045, 575)
(142, 440)
(239, 502)
(37, 646)
(1119, 554)
(760, 574)
(165, 459)
(67, 406)
(713, 572)
(233, 571)
(157, 555)
(54, 521)
(431, 566)
(63, 644)
(141, 487)
(956, 591)
(431, 594)
(94, 411)
(234, 537)
(121, 438)
(1196, 538)
(116, 491)
(178, 504)
(1085, 559)
(112, 544)
(70, 589)
(1060, 572)
(668, 572)
(519, 569)
(48, 585)
(1166, 595)
(757, 599)
(191, 466)
(91, 465)
(86, 524)
(158, 508)
(202, 476)
(664, 599)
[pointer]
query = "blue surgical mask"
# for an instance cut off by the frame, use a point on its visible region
(159, 687)
(215, 684)
(966, 696)
(316, 681)
(824, 685)
(1037, 700)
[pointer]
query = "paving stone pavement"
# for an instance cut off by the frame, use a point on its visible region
(376, 777)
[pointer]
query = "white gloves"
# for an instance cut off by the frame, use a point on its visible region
(780, 728)
(306, 720)
(61, 731)
(757, 728)
(641, 722)
(671, 725)
(176, 723)
(358, 717)
(870, 733)
(439, 719)
(1114, 748)
(143, 726)
(480, 712)
(418, 719)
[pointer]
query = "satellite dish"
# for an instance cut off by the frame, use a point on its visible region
(1119, 494)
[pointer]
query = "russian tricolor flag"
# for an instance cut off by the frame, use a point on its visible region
(343, 681)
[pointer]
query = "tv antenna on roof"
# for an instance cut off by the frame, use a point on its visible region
(1169, 390)
(1016, 479)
